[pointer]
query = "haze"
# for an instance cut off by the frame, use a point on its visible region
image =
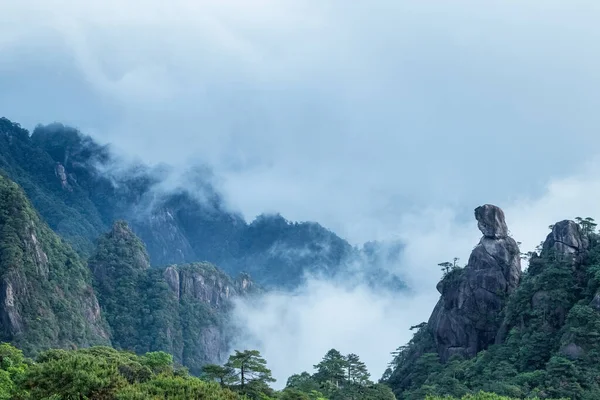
(380, 120)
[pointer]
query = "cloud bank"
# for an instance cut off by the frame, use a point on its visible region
(350, 114)
(294, 330)
(380, 120)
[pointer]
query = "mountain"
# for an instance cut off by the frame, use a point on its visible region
(180, 309)
(46, 294)
(81, 189)
(518, 334)
(152, 244)
(50, 298)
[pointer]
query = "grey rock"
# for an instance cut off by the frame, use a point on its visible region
(468, 316)
(595, 303)
(566, 241)
(490, 221)
(171, 275)
(203, 286)
(61, 174)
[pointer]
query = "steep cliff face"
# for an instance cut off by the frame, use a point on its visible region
(46, 297)
(181, 309)
(566, 241)
(468, 316)
(204, 295)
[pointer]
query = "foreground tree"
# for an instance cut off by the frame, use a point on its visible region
(224, 375)
(357, 372)
(332, 369)
(249, 371)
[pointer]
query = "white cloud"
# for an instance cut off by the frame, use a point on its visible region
(295, 330)
(381, 119)
(349, 114)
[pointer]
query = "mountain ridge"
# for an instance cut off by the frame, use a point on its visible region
(66, 175)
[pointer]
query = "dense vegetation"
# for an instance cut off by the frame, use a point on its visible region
(100, 373)
(336, 377)
(552, 348)
(477, 396)
(106, 373)
(173, 317)
(81, 189)
(181, 309)
(46, 295)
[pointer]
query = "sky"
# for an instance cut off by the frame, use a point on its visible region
(381, 120)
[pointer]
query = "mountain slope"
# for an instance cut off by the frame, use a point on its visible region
(80, 190)
(46, 297)
(541, 337)
(181, 309)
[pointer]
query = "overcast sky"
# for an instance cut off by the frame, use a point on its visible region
(379, 119)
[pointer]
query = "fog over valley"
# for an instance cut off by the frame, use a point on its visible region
(291, 173)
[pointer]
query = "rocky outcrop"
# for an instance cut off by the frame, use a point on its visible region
(205, 283)
(468, 316)
(203, 288)
(183, 307)
(566, 241)
(61, 174)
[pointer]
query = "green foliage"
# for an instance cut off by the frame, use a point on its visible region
(245, 372)
(101, 373)
(224, 375)
(337, 377)
(12, 370)
(332, 369)
(146, 312)
(50, 301)
(80, 189)
(477, 396)
(551, 350)
(69, 211)
(174, 388)
(119, 264)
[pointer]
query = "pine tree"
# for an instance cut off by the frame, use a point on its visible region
(332, 368)
(357, 370)
(250, 369)
(222, 374)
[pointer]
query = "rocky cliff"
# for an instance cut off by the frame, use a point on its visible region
(540, 330)
(46, 296)
(468, 316)
(181, 309)
(567, 241)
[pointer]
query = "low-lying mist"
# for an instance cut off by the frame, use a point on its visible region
(294, 330)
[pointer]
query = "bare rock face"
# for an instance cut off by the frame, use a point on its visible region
(171, 275)
(490, 221)
(468, 316)
(202, 286)
(566, 241)
(204, 283)
(60, 172)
